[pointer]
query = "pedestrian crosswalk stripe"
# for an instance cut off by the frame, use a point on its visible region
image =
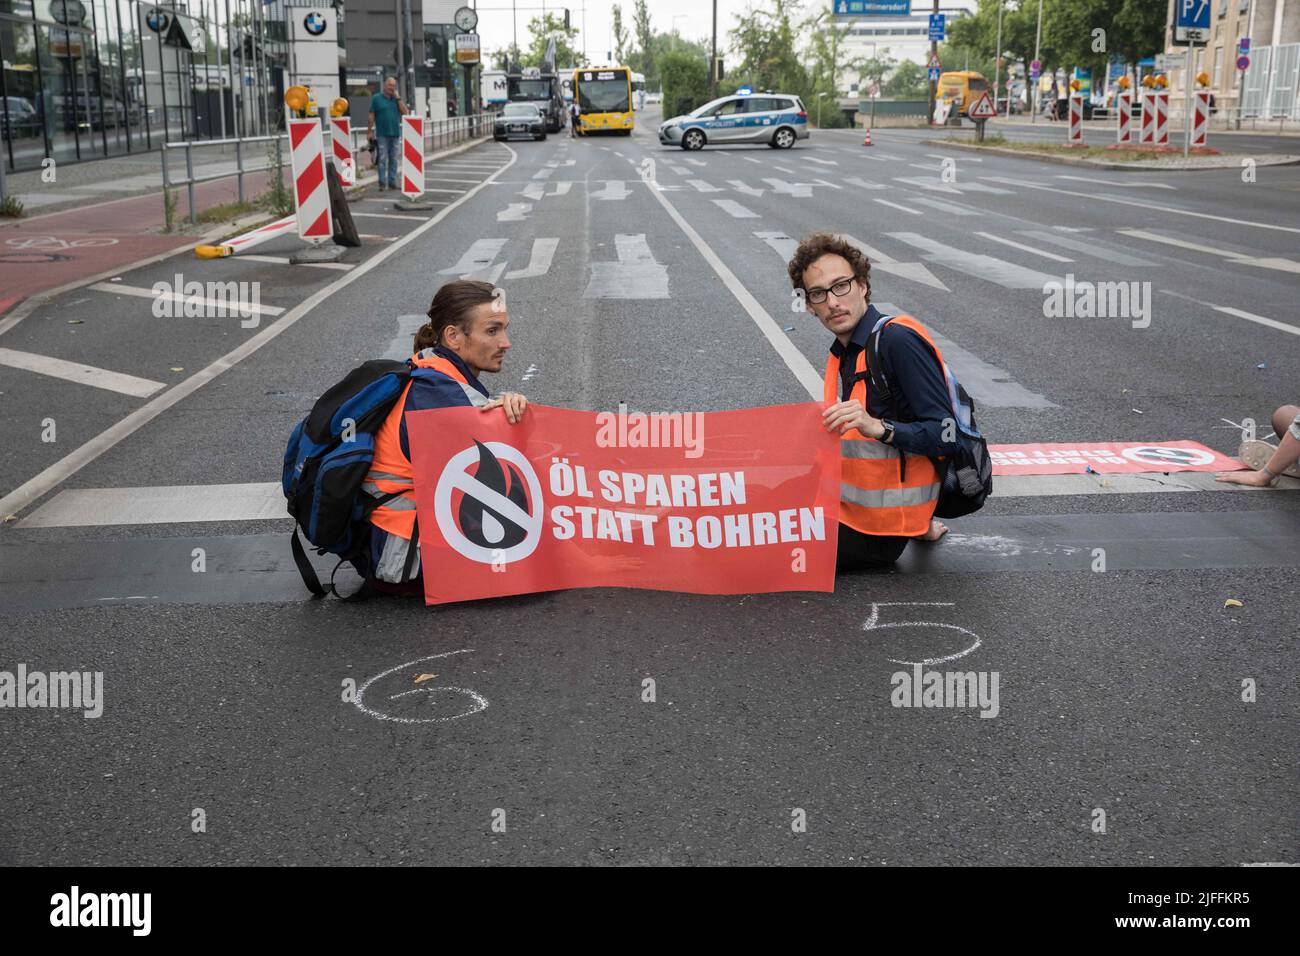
(735, 209)
(1030, 249)
(81, 374)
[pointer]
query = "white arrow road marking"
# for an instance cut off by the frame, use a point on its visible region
(783, 244)
(1018, 245)
(741, 187)
(614, 189)
(538, 190)
(539, 263)
(635, 275)
(515, 212)
(544, 173)
(735, 209)
(81, 374)
(797, 190)
(1006, 274)
(704, 187)
(481, 254)
(914, 271)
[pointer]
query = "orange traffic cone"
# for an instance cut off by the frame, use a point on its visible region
(867, 140)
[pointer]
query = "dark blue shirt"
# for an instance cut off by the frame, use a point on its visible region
(439, 391)
(919, 390)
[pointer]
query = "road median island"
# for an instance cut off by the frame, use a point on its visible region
(1104, 157)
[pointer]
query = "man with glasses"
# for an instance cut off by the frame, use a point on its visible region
(889, 485)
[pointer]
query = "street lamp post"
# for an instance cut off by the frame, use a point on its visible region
(997, 64)
(1031, 95)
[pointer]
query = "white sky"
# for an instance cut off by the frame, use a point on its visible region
(692, 19)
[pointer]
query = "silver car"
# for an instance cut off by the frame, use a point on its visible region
(519, 119)
(777, 119)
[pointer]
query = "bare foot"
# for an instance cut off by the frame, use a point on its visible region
(937, 530)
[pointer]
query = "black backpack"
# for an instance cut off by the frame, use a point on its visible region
(329, 454)
(965, 478)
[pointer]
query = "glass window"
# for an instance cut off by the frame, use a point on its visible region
(20, 109)
(58, 96)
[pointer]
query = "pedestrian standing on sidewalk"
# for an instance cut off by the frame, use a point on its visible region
(386, 112)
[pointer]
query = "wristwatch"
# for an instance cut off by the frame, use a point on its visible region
(888, 436)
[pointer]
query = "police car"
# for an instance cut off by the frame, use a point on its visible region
(777, 119)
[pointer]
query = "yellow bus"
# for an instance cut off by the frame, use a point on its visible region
(604, 98)
(960, 87)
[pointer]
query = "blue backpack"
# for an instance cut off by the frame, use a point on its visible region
(330, 452)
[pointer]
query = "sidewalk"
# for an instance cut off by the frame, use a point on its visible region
(42, 254)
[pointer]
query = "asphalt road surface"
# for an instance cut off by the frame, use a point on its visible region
(644, 274)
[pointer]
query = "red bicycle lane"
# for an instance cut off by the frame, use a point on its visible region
(48, 252)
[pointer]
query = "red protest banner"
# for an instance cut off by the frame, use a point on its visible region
(1062, 458)
(733, 502)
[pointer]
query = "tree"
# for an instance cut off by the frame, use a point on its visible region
(644, 60)
(543, 29)
(685, 76)
(908, 82)
(621, 48)
(764, 40)
(873, 69)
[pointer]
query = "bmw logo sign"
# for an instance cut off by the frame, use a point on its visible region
(157, 20)
(314, 23)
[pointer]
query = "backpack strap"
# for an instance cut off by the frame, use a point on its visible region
(305, 569)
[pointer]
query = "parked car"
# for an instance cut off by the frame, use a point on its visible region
(777, 119)
(23, 120)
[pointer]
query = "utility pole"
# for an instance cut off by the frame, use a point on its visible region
(997, 64)
(408, 75)
(934, 84)
(1031, 95)
(713, 57)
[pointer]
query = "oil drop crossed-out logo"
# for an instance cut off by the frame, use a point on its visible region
(488, 504)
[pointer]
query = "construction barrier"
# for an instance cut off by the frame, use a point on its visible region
(341, 137)
(1148, 118)
(412, 157)
(310, 191)
(1124, 103)
(1161, 133)
(1076, 119)
(1201, 118)
(255, 237)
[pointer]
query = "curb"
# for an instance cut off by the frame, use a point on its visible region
(1101, 164)
(32, 303)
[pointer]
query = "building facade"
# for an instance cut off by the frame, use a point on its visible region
(905, 37)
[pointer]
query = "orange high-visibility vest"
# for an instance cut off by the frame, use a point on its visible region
(391, 470)
(882, 490)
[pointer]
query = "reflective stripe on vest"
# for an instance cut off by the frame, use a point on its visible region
(391, 470)
(882, 490)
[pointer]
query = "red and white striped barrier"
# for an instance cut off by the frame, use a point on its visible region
(1201, 118)
(1075, 135)
(341, 138)
(1161, 119)
(412, 156)
(310, 191)
(1148, 118)
(255, 237)
(1124, 103)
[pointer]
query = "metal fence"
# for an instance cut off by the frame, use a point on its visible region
(438, 135)
(1272, 83)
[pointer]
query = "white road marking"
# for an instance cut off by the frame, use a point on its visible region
(515, 212)
(1228, 310)
(544, 173)
(824, 162)
(734, 209)
(1181, 243)
(81, 374)
(929, 167)
(402, 344)
(793, 358)
(886, 202)
(862, 184)
(229, 306)
(168, 504)
(797, 190)
(914, 271)
(1097, 250)
(284, 261)
(1143, 205)
(964, 159)
(388, 215)
(1105, 182)
(784, 169)
(933, 185)
(779, 241)
(1017, 245)
(696, 162)
(742, 187)
(750, 159)
(704, 187)
(481, 254)
(1282, 265)
(448, 179)
(951, 208)
(430, 189)
(636, 274)
(828, 185)
(1006, 274)
(539, 263)
(614, 189)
